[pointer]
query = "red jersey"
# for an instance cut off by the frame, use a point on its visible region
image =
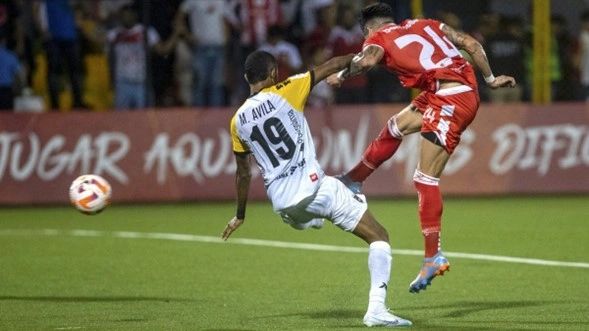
(420, 54)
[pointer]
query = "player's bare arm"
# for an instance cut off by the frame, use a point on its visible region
(242, 183)
(370, 56)
(331, 66)
(476, 51)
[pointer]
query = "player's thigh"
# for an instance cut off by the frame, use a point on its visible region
(409, 120)
(432, 158)
(446, 117)
(335, 202)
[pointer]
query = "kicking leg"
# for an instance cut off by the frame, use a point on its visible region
(379, 265)
(433, 159)
(382, 148)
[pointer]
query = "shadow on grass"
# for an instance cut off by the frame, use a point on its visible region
(448, 316)
(90, 299)
(465, 308)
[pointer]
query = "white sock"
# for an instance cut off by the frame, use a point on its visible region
(379, 265)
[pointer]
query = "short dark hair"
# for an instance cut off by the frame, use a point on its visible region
(377, 10)
(258, 66)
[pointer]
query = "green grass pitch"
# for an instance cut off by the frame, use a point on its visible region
(85, 282)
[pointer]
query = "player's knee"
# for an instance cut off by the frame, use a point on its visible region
(394, 130)
(407, 122)
(380, 233)
(421, 178)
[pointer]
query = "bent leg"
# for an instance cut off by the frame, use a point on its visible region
(386, 143)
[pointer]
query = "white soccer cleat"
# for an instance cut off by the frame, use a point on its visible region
(386, 319)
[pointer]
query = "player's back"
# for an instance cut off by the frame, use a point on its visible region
(271, 125)
(421, 55)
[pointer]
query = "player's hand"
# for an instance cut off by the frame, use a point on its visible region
(502, 81)
(334, 80)
(231, 226)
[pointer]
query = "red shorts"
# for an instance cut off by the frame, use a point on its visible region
(447, 113)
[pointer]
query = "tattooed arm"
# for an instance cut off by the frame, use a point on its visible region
(362, 62)
(479, 57)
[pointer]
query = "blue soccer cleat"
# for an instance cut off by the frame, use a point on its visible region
(432, 267)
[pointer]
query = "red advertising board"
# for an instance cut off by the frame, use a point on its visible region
(171, 155)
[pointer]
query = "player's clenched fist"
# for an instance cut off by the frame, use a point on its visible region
(334, 80)
(502, 81)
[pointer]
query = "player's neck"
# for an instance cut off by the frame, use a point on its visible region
(257, 87)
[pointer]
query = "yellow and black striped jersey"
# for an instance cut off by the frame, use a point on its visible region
(271, 125)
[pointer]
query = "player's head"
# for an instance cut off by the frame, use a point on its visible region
(261, 66)
(374, 16)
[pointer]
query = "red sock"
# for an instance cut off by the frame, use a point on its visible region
(430, 211)
(379, 150)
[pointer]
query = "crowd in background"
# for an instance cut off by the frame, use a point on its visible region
(191, 52)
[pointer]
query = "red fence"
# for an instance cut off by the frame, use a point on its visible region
(186, 155)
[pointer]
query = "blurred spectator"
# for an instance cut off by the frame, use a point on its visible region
(127, 47)
(567, 86)
(10, 75)
(183, 72)
(249, 21)
(311, 15)
(26, 21)
(506, 55)
(11, 26)
(322, 94)
(161, 17)
(208, 39)
(287, 55)
(326, 15)
(346, 38)
(253, 18)
(584, 54)
(55, 20)
(488, 26)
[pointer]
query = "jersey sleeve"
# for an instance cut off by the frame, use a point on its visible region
(296, 89)
(236, 142)
(434, 23)
(377, 39)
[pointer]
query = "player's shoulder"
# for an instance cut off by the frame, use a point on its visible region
(423, 22)
(297, 79)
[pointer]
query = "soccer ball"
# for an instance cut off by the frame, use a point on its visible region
(90, 194)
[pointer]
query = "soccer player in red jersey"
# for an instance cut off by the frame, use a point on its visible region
(424, 54)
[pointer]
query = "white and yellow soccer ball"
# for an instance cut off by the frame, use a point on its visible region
(90, 194)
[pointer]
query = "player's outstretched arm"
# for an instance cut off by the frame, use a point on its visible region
(331, 66)
(476, 51)
(370, 56)
(242, 183)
